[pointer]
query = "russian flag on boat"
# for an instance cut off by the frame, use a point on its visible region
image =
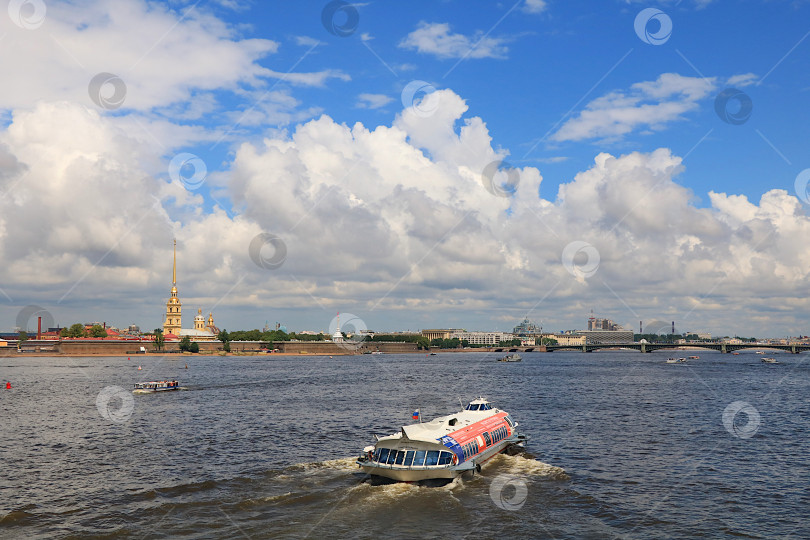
(416, 414)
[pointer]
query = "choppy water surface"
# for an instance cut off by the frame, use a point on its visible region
(622, 444)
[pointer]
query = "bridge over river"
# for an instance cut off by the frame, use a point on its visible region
(650, 347)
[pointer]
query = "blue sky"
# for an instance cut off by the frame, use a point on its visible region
(631, 195)
(553, 63)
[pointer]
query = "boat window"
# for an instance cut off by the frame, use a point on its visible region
(487, 439)
(391, 457)
(408, 458)
(509, 421)
(432, 457)
(485, 407)
(376, 455)
(473, 407)
(444, 458)
(419, 458)
(400, 457)
(383, 457)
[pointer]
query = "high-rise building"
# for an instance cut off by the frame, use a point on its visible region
(527, 328)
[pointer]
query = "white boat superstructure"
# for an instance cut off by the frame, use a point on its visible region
(155, 386)
(445, 447)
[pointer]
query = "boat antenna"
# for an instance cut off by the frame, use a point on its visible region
(461, 403)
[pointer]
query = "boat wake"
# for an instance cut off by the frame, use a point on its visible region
(521, 465)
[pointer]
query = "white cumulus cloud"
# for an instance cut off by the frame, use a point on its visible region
(649, 104)
(437, 39)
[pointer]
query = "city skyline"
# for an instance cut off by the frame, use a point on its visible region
(418, 166)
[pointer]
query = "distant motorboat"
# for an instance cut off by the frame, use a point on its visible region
(694, 358)
(514, 357)
(676, 360)
(376, 352)
(770, 360)
(155, 386)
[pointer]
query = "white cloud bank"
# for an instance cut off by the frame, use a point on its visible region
(391, 223)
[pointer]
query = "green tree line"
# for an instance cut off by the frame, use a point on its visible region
(78, 330)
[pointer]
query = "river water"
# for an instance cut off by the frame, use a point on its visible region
(622, 445)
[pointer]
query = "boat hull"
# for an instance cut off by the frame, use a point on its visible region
(417, 474)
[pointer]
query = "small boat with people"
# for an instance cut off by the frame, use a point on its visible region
(770, 361)
(445, 447)
(694, 358)
(156, 386)
(514, 357)
(676, 360)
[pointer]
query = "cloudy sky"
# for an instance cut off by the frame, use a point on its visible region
(416, 164)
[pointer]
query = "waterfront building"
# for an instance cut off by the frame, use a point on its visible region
(173, 325)
(607, 337)
(482, 338)
(440, 333)
(566, 339)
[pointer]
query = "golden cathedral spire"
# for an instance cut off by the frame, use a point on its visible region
(174, 317)
(174, 266)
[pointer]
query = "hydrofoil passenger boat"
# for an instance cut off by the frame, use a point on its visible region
(445, 447)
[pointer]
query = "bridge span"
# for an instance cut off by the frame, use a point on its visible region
(650, 347)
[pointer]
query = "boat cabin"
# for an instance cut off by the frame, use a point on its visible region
(479, 404)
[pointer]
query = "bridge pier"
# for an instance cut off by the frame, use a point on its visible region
(723, 348)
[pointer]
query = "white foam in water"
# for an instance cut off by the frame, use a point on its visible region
(518, 465)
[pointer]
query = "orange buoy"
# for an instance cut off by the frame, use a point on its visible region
(8, 386)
